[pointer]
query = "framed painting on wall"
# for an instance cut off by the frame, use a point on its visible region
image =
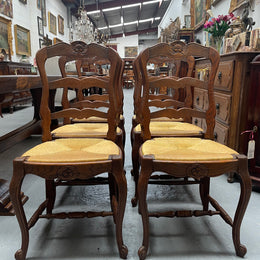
(52, 23)
(22, 40)
(5, 35)
(23, 1)
(39, 4)
(40, 26)
(60, 24)
(130, 52)
(6, 8)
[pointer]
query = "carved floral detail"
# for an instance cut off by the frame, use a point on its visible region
(79, 47)
(197, 171)
(177, 48)
(67, 173)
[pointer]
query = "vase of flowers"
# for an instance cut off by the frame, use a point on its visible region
(218, 26)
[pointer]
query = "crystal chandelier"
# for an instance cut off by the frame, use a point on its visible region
(82, 28)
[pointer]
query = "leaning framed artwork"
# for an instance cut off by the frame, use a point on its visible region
(235, 4)
(60, 24)
(56, 40)
(22, 40)
(52, 23)
(6, 35)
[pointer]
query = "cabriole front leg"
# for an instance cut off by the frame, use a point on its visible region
(15, 191)
(246, 187)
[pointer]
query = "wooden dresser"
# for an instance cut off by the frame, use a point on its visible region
(232, 91)
(10, 100)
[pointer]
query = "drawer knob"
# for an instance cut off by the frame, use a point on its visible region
(218, 107)
(219, 75)
(197, 100)
(215, 136)
(196, 121)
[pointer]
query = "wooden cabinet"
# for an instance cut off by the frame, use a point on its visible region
(232, 89)
(128, 77)
(10, 100)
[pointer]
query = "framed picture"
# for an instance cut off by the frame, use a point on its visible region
(43, 7)
(130, 52)
(186, 35)
(56, 40)
(60, 24)
(40, 26)
(39, 4)
(6, 35)
(22, 40)
(187, 21)
(52, 23)
(23, 1)
(235, 4)
(198, 12)
(6, 8)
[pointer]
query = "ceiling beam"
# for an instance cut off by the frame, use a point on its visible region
(135, 32)
(109, 4)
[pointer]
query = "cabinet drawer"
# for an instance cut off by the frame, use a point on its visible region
(221, 133)
(223, 104)
(198, 99)
(224, 76)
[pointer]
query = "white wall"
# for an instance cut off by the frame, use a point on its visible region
(122, 42)
(25, 15)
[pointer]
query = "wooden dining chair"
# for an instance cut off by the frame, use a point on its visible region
(75, 159)
(101, 95)
(180, 65)
(188, 157)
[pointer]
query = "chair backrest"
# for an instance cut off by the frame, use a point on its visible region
(180, 66)
(82, 107)
(98, 65)
(183, 80)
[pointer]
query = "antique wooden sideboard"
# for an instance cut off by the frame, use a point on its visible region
(16, 97)
(232, 99)
(20, 83)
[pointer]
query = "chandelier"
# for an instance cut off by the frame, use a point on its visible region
(82, 29)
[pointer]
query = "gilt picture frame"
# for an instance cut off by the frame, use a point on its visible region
(22, 40)
(6, 8)
(6, 35)
(60, 24)
(52, 23)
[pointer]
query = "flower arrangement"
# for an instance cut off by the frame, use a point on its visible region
(218, 26)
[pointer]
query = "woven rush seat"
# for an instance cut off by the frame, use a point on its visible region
(82, 130)
(186, 149)
(163, 128)
(73, 150)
